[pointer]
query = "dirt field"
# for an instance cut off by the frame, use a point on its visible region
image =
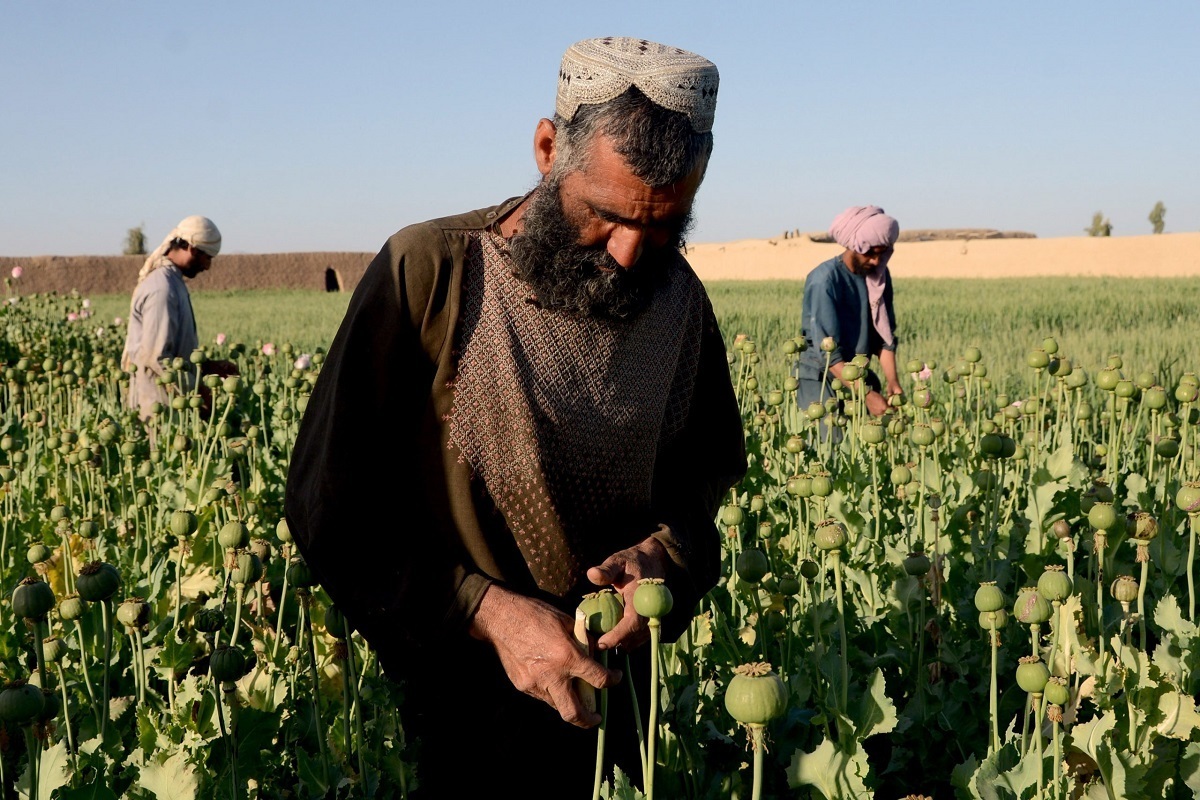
(1166, 255)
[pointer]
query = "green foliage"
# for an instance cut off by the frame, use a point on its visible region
(1100, 226)
(1157, 214)
(135, 241)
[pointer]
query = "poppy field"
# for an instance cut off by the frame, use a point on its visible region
(989, 593)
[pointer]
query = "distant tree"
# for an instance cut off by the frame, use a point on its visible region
(135, 241)
(1156, 216)
(1100, 226)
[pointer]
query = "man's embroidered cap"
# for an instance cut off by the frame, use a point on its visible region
(597, 70)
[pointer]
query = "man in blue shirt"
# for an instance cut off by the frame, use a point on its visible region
(848, 310)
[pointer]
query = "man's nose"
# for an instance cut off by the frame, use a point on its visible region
(625, 245)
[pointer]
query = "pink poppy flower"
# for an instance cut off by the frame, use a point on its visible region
(303, 361)
(220, 339)
(268, 349)
(72, 316)
(17, 272)
(926, 373)
(118, 321)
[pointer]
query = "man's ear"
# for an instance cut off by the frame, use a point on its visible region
(544, 151)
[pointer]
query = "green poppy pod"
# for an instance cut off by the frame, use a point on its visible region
(751, 383)
(900, 475)
(133, 612)
(97, 580)
(988, 597)
(775, 397)
(178, 403)
(922, 435)
(916, 564)
(829, 535)
(183, 523)
(789, 585)
(1032, 675)
(88, 528)
(850, 373)
(231, 385)
(652, 599)
(51, 706)
(1108, 378)
(790, 347)
(211, 381)
(1054, 584)
(32, 599)
(985, 480)
(914, 365)
(1077, 378)
(972, 355)
(7, 474)
(809, 569)
(993, 620)
(1037, 358)
(300, 575)
(261, 548)
(38, 553)
(1031, 607)
(751, 565)
(800, 486)
(1187, 499)
(790, 383)
(1186, 393)
(336, 623)
(732, 515)
(59, 513)
(1050, 345)
(1102, 516)
(142, 499)
(20, 703)
(1166, 447)
(234, 535)
(208, 620)
(872, 431)
(991, 445)
(755, 694)
(54, 649)
(1125, 388)
(939, 427)
(1056, 691)
(1124, 589)
(828, 344)
(1061, 528)
(71, 607)
(1155, 398)
(602, 610)
(822, 484)
(247, 569)
(814, 411)
(1145, 526)
(226, 664)
(1060, 368)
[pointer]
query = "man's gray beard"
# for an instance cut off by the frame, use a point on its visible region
(570, 277)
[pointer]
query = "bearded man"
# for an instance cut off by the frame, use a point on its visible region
(525, 404)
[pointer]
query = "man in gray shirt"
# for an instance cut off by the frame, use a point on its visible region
(161, 322)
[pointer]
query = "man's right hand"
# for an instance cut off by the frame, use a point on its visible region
(538, 651)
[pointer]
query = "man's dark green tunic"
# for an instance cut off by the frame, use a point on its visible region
(459, 434)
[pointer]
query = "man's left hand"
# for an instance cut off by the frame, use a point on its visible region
(622, 570)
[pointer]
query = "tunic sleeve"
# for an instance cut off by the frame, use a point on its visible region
(157, 329)
(890, 308)
(354, 500)
(821, 314)
(691, 478)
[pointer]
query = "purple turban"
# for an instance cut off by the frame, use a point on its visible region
(859, 228)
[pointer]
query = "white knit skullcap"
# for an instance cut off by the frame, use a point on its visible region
(199, 232)
(597, 70)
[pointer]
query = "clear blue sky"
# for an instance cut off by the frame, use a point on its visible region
(303, 126)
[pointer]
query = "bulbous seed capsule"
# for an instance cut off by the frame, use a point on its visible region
(829, 535)
(1054, 584)
(1124, 589)
(755, 694)
(1102, 516)
(1032, 675)
(652, 598)
(751, 565)
(602, 610)
(988, 597)
(993, 620)
(1031, 607)
(32, 598)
